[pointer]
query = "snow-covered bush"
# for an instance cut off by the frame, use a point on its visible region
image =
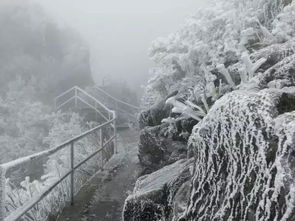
(64, 127)
(19, 196)
(28, 126)
(212, 53)
(23, 122)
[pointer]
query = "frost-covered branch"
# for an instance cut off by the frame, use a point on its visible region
(181, 108)
(221, 68)
(251, 68)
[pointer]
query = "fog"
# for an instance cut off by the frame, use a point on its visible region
(119, 33)
(43, 54)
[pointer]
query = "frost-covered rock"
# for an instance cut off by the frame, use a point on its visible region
(283, 72)
(153, 196)
(273, 53)
(244, 167)
(157, 148)
(154, 115)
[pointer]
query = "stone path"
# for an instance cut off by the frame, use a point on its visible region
(103, 198)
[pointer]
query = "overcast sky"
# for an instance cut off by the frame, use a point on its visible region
(119, 32)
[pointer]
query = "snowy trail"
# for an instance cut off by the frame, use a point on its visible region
(102, 199)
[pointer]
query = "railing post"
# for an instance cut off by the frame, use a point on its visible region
(2, 193)
(117, 107)
(101, 146)
(76, 95)
(115, 133)
(72, 173)
(96, 115)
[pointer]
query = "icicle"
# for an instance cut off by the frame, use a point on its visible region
(204, 101)
(220, 87)
(246, 60)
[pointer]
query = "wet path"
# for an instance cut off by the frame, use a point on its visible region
(103, 198)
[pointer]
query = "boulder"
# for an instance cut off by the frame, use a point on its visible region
(274, 54)
(153, 195)
(157, 148)
(244, 158)
(280, 75)
(156, 114)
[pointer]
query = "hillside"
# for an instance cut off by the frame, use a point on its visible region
(217, 139)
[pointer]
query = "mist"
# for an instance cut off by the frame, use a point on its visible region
(124, 110)
(119, 33)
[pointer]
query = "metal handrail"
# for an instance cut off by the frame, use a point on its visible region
(64, 93)
(76, 96)
(93, 98)
(116, 99)
(94, 108)
(64, 103)
(51, 151)
(18, 213)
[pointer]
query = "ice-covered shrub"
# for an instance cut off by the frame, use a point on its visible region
(64, 127)
(23, 122)
(211, 54)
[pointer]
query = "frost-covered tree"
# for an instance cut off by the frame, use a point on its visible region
(23, 122)
(64, 127)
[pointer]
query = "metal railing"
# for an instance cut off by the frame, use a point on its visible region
(117, 101)
(126, 112)
(78, 95)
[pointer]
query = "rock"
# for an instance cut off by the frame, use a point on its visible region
(283, 71)
(156, 114)
(153, 195)
(157, 149)
(244, 151)
(184, 129)
(181, 200)
(274, 54)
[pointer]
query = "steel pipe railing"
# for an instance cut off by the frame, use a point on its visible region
(21, 211)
